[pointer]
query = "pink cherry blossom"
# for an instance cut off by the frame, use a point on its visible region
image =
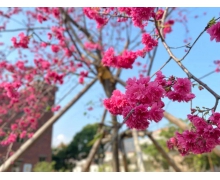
(214, 32)
(149, 42)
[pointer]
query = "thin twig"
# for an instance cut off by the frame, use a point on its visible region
(162, 66)
(188, 73)
(24, 29)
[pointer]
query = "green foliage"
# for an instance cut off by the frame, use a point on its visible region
(97, 136)
(153, 152)
(44, 167)
(48, 108)
(211, 22)
(78, 148)
(201, 162)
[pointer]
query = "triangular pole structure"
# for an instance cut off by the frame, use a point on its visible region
(42, 129)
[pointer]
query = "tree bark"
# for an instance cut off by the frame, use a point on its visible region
(124, 156)
(115, 147)
(212, 169)
(109, 86)
(140, 161)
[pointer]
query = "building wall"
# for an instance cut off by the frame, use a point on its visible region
(40, 150)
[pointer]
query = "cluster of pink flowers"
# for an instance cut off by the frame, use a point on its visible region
(142, 98)
(58, 32)
(23, 134)
(126, 10)
(18, 78)
(31, 110)
(55, 108)
(55, 48)
(22, 43)
(159, 14)
(139, 15)
(11, 138)
(202, 138)
(44, 13)
(81, 80)
(41, 18)
(177, 89)
(41, 63)
(214, 32)
(53, 76)
(83, 74)
(10, 90)
(125, 60)
(149, 42)
(142, 101)
(116, 103)
(168, 27)
(21, 64)
(93, 13)
(181, 91)
(92, 46)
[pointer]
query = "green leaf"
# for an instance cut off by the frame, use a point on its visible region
(97, 136)
(47, 108)
(211, 22)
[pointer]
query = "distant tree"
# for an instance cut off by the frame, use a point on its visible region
(78, 148)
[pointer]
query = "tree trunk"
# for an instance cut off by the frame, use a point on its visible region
(212, 169)
(140, 161)
(124, 157)
(115, 154)
(109, 86)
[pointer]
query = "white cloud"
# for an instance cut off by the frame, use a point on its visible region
(60, 138)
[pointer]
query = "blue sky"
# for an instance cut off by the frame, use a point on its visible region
(199, 62)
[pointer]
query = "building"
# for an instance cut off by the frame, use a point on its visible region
(79, 166)
(39, 150)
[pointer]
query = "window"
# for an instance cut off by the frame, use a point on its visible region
(16, 166)
(42, 158)
(27, 167)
